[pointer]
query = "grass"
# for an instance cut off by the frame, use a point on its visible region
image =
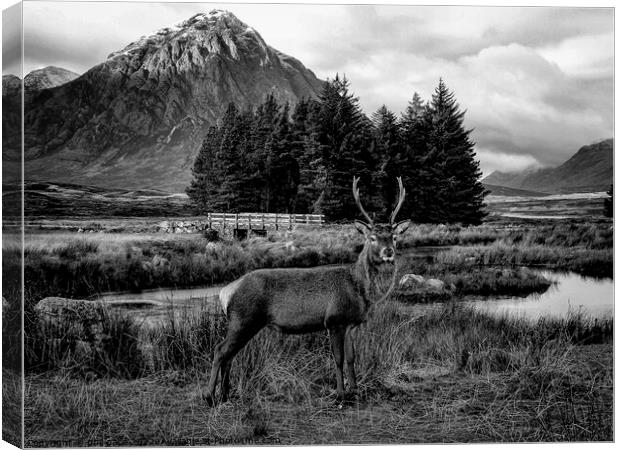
(584, 261)
(427, 373)
(80, 266)
(452, 375)
(479, 281)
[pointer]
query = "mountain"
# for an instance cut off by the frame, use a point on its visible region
(48, 77)
(11, 123)
(588, 170)
(511, 192)
(137, 120)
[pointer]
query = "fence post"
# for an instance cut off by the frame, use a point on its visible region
(236, 221)
(262, 216)
(307, 219)
(276, 221)
(249, 223)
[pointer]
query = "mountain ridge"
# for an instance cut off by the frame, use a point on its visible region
(137, 119)
(590, 169)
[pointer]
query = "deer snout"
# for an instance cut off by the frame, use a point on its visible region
(387, 254)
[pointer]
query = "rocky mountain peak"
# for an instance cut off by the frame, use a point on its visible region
(48, 77)
(139, 118)
(193, 42)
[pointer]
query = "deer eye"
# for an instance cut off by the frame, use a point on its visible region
(373, 239)
(394, 239)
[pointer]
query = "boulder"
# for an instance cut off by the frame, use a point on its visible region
(79, 323)
(211, 247)
(164, 226)
(434, 284)
(410, 280)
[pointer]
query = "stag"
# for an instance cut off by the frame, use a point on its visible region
(296, 300)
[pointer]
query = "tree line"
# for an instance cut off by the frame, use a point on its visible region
(273, 159)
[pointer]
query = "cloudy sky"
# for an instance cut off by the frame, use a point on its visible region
(537, 82)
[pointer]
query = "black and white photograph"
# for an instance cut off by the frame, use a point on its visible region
(274, 224)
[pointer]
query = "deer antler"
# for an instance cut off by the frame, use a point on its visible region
(401, 199)
(356, 196)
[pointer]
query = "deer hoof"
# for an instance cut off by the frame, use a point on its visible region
(209, 400)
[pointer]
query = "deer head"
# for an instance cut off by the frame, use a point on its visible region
(381, 239)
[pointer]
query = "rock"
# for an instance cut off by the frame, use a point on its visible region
(211, 246)
(411, 280)
(80, 230)
(164, 226)
(434, 284)
(77, 323)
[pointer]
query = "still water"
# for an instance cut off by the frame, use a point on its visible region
(570, 293)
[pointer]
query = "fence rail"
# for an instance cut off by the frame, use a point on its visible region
(263, 221)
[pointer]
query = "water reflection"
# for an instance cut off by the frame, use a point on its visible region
(570, 293)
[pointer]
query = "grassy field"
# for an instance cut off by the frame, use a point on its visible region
(428, 373)
(450, 375)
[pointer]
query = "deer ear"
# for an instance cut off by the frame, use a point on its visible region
(362, 227)
(401, 227)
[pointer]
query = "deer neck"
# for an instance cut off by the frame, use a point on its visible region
(364, 273)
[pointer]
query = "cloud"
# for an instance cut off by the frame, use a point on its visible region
(11, 40)
(495, 160)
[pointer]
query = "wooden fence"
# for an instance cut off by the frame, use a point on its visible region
(263, 221)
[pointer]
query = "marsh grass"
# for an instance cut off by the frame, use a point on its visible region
(449, 374)
(467, 376)
(584, 261)
(80, 266)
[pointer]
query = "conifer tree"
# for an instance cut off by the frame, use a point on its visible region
(282, 169)
(390, 160)
(342, 138)
(204, 187)
(453, 171)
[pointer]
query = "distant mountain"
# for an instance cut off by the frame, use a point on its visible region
(588, 170)
(511, 192)
(48, 77)
(11, 124)
(138, 119)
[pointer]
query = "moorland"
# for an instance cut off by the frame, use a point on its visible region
(430, 368)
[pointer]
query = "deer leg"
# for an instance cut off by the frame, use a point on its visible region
(225, 370)
(225, 351)
(215, 371)
(337, 340)
(349, 354)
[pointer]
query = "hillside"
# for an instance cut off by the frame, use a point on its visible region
(47, 78)
(137, 119)
(511, 192)
(588, 170)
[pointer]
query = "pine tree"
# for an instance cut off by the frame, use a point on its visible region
(415, 109)
(204, 187)
(390, 159)
(460, 194)
(342, 137)
(282, 169)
